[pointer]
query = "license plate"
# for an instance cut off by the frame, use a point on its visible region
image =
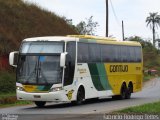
(37, 96)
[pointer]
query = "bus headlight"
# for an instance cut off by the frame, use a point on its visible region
(20, 88)
(55, 89)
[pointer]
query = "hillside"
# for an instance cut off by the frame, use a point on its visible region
(21, 20)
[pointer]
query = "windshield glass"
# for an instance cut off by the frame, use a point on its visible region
(41, 47)
(39, 69)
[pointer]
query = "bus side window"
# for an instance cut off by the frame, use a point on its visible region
(70, 63)
(83, 53)
(94, 53)
(128, 55)
(105, 53)
(116, 55)
(123, 53)
(138, 54)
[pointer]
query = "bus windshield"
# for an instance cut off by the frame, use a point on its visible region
(41, 47)
(39, 62)
(39, 70)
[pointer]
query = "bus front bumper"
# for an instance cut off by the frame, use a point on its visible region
(58, 96)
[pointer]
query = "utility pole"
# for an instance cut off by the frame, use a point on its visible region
(122, 30)
(107, 18)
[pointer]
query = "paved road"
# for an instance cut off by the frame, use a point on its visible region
(92, 110)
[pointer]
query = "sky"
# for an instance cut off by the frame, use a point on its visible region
(132, 12)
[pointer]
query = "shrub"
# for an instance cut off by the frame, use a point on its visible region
(8, 100)
(8, 81)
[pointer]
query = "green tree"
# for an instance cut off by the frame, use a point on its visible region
(153, 20)
(87, 27)
(84, 27)
(145, 44)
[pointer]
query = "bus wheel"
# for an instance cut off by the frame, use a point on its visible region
(115, 97)
(40, 104)
(123, 92)
(80, 96)
(129, 91)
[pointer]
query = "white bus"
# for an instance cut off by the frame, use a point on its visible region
(76, 68)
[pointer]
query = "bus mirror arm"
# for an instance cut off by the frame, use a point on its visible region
(63, 59)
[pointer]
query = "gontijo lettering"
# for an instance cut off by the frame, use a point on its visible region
(118, 68)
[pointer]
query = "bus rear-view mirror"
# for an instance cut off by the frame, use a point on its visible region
(13, 58)
(63, 59)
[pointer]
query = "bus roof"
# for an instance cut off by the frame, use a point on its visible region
(104, 40)
(92, 37)
(51, 38)
(84, 38)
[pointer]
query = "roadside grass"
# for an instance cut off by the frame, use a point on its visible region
(17, 103)
(150, 108)
(4, 95)
(9, 99)
(148, 77)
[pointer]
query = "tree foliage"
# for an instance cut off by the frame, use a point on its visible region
(153, 20)
(145, 44)
(150, 53)
(87, 27)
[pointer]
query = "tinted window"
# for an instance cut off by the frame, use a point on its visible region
(123, 53)
(131, 53)
(42, 47)
(138, 54)
(83, 52)
(70, 63)
(94, 53)
(71, 50)
(117, 53)
(106, 53)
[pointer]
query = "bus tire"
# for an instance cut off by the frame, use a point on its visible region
(115, 97)
(129, 91)
(123, 92)
(40, 104)
(80, 96)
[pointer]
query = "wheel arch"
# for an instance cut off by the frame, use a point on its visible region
(76, 101)
(124, 83)
(81, 87)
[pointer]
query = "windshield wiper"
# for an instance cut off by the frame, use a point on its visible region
(34, 72)
(40, 72)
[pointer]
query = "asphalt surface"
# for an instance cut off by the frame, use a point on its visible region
(89, 110)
